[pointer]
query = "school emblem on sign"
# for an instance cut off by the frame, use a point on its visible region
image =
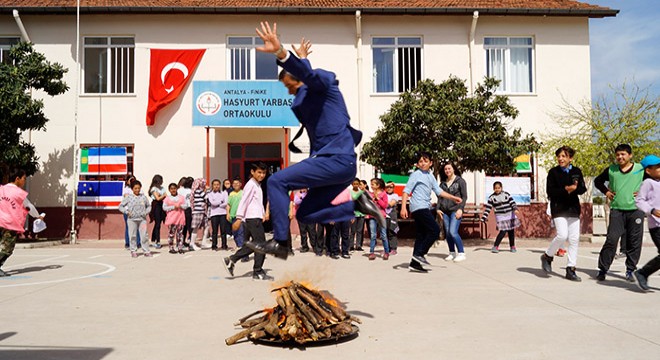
(208, 103)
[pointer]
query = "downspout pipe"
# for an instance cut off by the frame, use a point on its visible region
(473, 29)
(24, 33)
(358, 46)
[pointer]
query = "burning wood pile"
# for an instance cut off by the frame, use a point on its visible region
(302, 315)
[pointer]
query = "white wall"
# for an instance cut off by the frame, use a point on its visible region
(173, 148)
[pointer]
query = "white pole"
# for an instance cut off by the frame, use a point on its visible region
(76, 150)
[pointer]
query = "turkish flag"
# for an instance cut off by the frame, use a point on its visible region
(169, 71)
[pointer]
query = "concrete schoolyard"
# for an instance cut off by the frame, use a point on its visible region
(93, 301)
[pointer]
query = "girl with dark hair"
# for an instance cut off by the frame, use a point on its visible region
(128, 189)
(157, 193)
(452, 212)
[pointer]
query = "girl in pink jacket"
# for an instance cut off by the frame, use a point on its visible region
(175, 205)
(380, 198)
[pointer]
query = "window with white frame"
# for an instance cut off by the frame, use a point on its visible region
(246, 63)
(511, 60)
(109, 65)
(397, 63)
(5, 44)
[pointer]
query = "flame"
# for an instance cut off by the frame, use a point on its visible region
(328, 298)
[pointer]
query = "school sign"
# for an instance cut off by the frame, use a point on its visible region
(242, 104)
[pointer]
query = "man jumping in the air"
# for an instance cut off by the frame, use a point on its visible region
(331, 167)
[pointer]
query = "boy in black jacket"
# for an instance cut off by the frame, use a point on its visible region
(565, 183)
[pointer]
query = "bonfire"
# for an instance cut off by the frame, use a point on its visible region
(302, 315)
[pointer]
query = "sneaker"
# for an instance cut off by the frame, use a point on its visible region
(134, 254)
(157, 245)
(261, 275)
(172, 251)
(460, 257)
(601, 275)
(245, 259)
(494, 250)
(372, 256)
(513, 249)
(416, 267)
(336, 256)
(359, 249)
(148, 254)
(560, 253)
(229, 265)
(629, 276)
(191, 248)
(126, 247)
(421, 260)
(546, 263)
(304, 250)
(346, 256)
(393, 252)
(450, 257)
(642, 282)
(386, 256)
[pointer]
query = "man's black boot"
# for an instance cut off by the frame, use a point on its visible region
(367, 206)
(271, 247)
(571, 275)
(546, 263)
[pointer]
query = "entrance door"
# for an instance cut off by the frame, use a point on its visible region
(242, 155)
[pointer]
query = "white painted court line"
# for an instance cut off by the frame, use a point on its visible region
(109, 268)
(95, 256)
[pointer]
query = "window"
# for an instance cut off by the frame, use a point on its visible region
(397, 63)
(109, 65)
(246, 63)
(5, 44)
(510, 60)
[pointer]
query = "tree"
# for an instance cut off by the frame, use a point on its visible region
(23, 71)
(444, 120)
(629, 116)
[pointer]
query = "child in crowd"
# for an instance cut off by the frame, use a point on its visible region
(357, 225)
(199, 211)
(175, 205)
(128, 189)
(306, 230)
(12, 217)
(233, 200)
(418, 189)
(380, 198)
(184, 190)
(565, 183)
(135, 207)
(217, 201)
(251, 212)
(228, 188)
(506, 215)
(157, 193)
(392, 216)
(648, 201)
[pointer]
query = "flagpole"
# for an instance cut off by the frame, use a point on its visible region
(76, 147)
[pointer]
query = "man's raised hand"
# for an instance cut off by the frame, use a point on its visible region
(269, 36)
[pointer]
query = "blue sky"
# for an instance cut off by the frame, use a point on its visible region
(626, 47)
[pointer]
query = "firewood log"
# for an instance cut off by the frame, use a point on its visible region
(304, 308)
(241, 334)
(291, 325)
(257, 335)
(252, 322)
(325, 315)
(243, 319)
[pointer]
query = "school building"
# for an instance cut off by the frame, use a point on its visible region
(214, 102)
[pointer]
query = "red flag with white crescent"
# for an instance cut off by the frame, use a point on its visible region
(169, 71)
